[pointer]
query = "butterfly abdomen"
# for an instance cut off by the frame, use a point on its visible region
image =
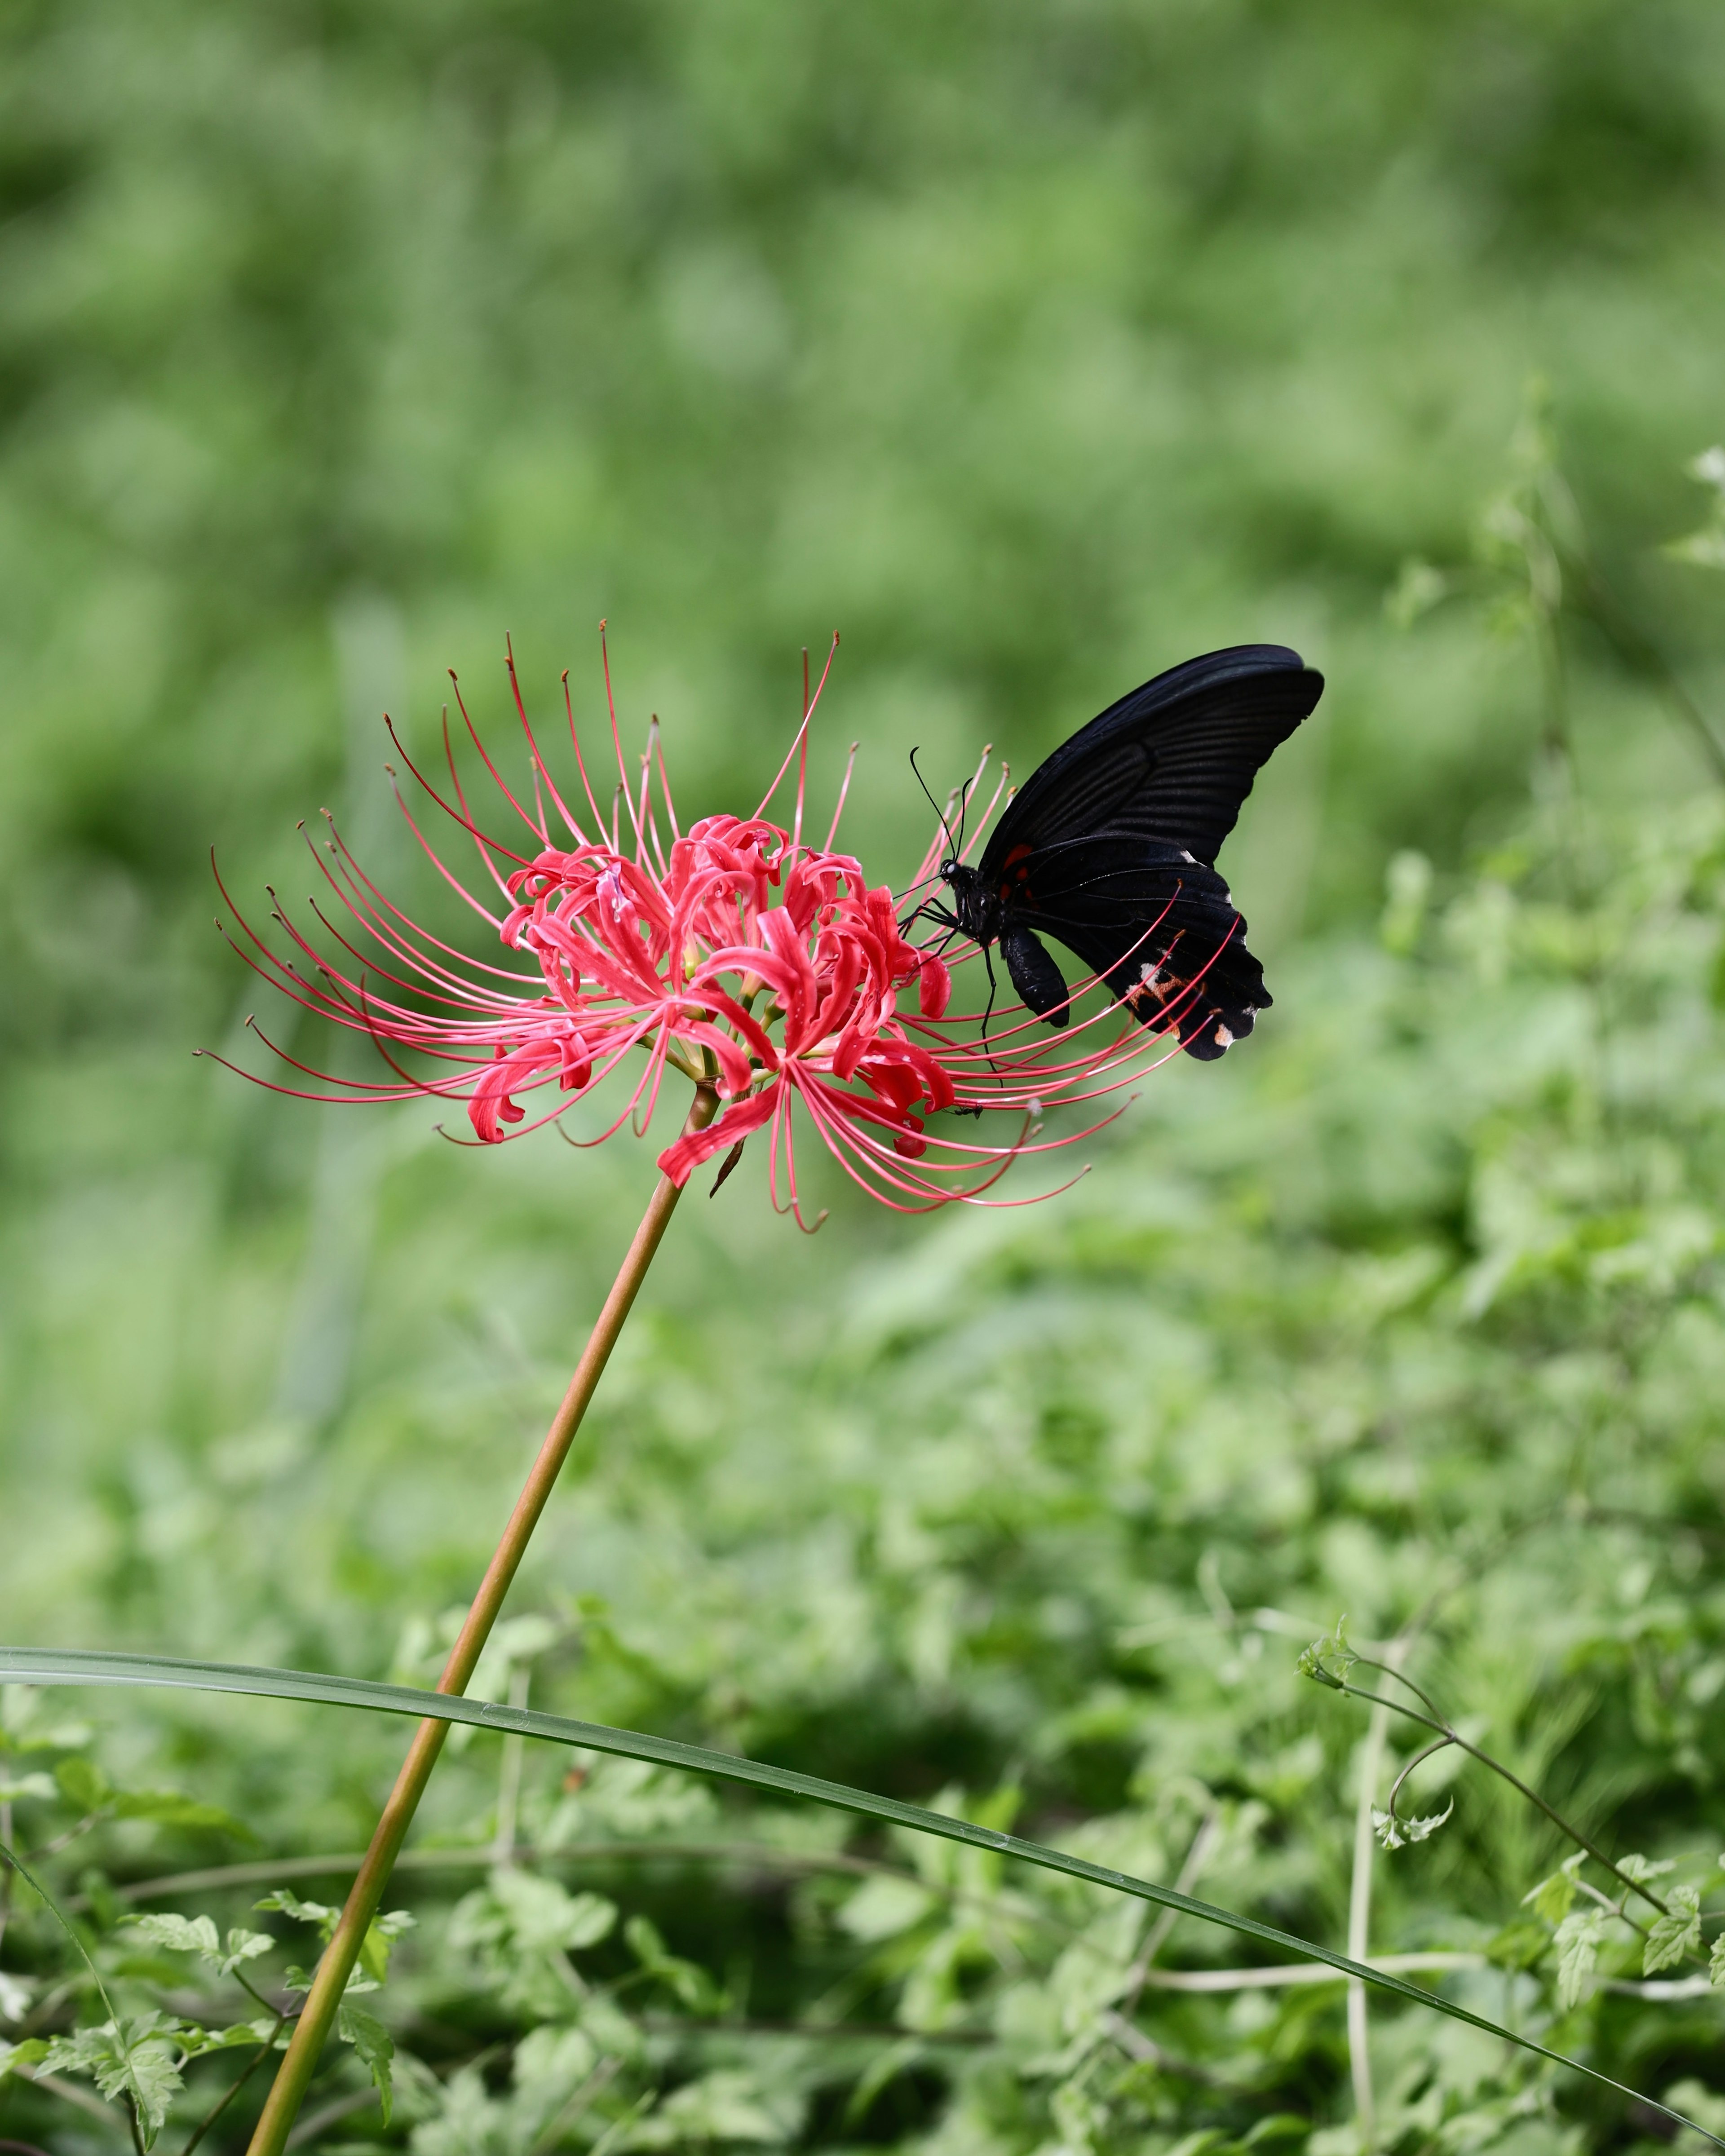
(1034, 974)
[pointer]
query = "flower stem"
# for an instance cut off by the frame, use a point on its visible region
(299, 2062)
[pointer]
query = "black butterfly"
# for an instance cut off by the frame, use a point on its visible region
(1110, 847)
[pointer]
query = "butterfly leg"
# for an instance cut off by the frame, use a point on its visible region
(988, 1007)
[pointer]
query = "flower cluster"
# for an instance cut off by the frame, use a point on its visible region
(767, 970)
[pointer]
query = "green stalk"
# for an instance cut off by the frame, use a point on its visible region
(300, 2060)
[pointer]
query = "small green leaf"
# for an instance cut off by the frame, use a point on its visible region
(153, 2078)
(1580, 1939)
(1675, 1937)
(883, 1907)
(195, 2041)
(182, 1934)
(168, 1808)
(30, 1785)
(242, 1947)
(304, 1912)
(519, 1911)
(686, 1980)
(14, 2057)
(1552, 1897)
(375, 2048)
(381, 1934)
(645, 1941)
(1396, 1833)
(83, 1786)
(1641, 1869)
(131, 2058)
(1520, 1944)
(725, 2105)
(1716, 1964)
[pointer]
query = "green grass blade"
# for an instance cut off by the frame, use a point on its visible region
(73, 1667)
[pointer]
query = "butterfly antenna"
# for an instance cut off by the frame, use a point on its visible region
(945, 826)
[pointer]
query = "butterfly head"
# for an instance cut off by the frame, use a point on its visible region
(974, 907)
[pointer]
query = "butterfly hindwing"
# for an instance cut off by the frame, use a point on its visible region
(1157, 926)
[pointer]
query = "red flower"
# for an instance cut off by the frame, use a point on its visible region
(750, 961)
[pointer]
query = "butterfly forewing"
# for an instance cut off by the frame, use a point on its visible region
(1171, 763)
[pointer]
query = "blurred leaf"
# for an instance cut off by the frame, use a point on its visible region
(1552, 1897)
(31, 2052)
(374, 2048)
(168, 1808)
(183, 1934)
(83, 1784)
(882, 1907)
(304, 1912)
(37, 1786)
(1578, 1939)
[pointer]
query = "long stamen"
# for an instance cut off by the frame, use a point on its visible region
(617, 745)
(541, 772)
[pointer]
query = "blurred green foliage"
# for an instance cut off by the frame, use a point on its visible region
(1034, 348)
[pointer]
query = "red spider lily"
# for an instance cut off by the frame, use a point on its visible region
(762, 967)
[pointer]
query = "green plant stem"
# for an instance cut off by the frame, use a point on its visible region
(1453, 1736)
(1359, 1913)
(5, 1871)
(316, 2018)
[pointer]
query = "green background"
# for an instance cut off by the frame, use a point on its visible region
(1033, 348)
